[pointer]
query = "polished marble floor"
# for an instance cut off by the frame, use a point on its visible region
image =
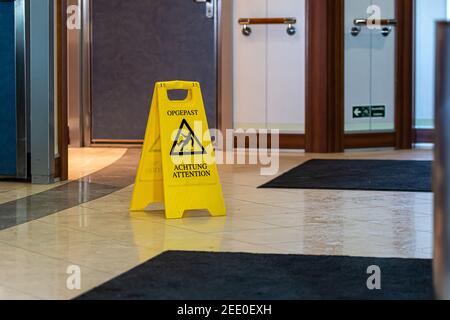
(105, 240)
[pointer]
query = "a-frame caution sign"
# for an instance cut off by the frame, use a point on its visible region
(177, 165)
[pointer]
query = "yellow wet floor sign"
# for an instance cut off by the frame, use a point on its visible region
(177, 165)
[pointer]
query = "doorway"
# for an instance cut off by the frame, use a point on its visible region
(127, 46)
(369, 66)
(358, 87)
(377, 100)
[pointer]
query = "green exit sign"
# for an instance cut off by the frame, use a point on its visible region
(360, 112)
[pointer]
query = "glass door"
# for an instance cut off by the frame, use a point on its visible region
(370, 54)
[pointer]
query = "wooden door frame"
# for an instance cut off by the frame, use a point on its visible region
(62, 163)
(404, 95)
(326, 78)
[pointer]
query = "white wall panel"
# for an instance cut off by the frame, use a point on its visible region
(269, 68)
(250, 67)
(286, 69)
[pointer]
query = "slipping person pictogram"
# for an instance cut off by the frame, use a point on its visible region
(186, 142)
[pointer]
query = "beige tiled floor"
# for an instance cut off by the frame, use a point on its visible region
(85, 161)
(105, 240)
(82, 162)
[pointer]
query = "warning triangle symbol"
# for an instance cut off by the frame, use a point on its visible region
(186, 142)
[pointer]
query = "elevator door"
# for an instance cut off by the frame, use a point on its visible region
(370, 66)
(8, 126)
(137, 43)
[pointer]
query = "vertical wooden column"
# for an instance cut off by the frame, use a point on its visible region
(405, 74)
(63, 129)
(325, 76)
(225, 60)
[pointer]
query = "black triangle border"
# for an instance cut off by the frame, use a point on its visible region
(183, 124)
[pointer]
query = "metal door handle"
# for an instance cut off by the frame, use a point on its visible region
(381, 22)
(209, 7)
(386, 25)
(247, 31)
